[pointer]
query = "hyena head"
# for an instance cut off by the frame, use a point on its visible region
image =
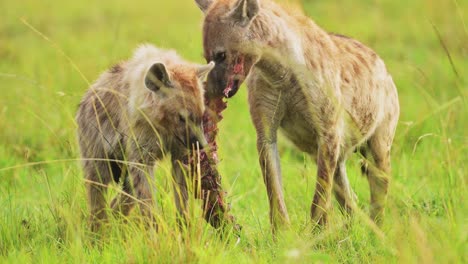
(226, 39)
(173, 102)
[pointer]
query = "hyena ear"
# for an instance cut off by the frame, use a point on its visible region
(244, 11)
(203, 70)
(203, 4)
(157, 77)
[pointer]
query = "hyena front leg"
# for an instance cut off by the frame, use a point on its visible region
(266, 121)
(326, 164)
(123, 203)
(141, 177)
(266, 113)
(271, 170)
(180, 190)
(98, 174)
(140, 170)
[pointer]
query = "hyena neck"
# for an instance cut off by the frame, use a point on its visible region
(280, 46)
(295, 39)
(272, 30)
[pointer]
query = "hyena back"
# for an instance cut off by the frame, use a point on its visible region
(328, 93)
(133, 115)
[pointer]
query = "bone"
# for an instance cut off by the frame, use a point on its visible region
(216, 209)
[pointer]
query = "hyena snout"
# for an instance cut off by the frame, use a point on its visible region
(197, 140)
(217, 81)
(194, 138)
(227, 76)
(194, 141)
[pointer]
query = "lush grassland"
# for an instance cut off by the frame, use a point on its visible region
(43, 206)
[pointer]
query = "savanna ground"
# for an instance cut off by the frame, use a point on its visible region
(42, 198)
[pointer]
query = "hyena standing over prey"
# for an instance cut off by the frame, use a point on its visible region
(137, 112)
(328, 93)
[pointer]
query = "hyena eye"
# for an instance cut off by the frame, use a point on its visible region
(220, 57)
(182, 118)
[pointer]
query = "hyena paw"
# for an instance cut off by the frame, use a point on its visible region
(319, 216)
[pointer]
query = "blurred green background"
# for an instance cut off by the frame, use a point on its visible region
(51, 50)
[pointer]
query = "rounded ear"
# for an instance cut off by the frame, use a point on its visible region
(157, 77)
(203, 4)
(244, 11)
(203, 70)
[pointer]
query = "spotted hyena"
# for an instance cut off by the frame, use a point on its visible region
(137, 112)
(330, 95)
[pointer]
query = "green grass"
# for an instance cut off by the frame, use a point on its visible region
(43, 207)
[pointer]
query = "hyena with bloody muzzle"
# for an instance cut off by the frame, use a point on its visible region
(133, 115)
(329, 94)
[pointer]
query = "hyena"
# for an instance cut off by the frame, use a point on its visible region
(330, 95)
(133, 115)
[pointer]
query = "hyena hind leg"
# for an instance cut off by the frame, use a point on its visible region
(342, 189)
(326, 167)
(98, 175)
(378, 171)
